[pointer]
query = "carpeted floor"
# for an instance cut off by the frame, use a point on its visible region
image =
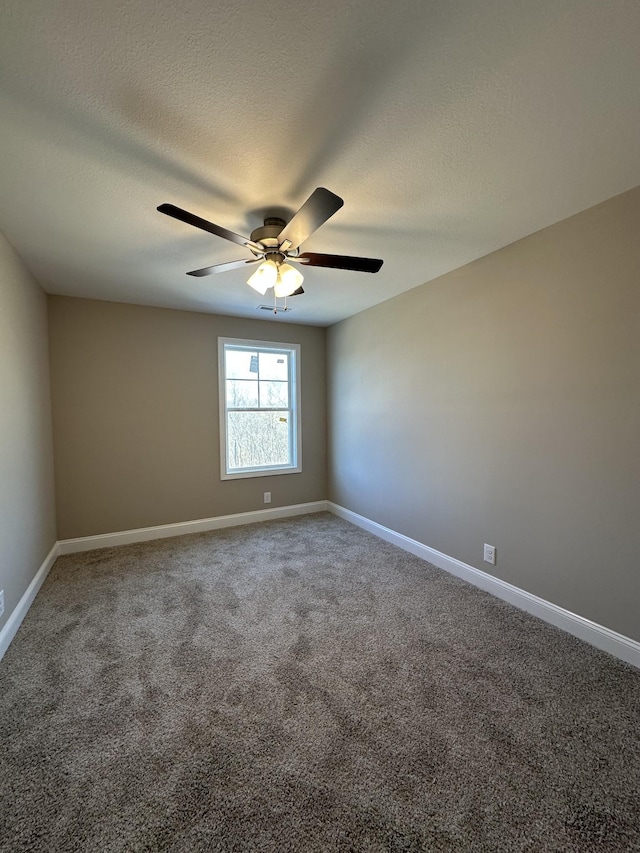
(300, 685)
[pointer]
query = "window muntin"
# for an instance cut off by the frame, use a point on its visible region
(259, 408)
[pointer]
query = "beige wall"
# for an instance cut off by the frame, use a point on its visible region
(135, 414)
(27, 512)
(501, 404)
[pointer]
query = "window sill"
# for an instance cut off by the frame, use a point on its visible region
(261, 472)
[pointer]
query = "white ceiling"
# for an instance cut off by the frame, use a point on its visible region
(450, 128)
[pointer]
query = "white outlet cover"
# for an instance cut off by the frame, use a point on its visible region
(490, 554)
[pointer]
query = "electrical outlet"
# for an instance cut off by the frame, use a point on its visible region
(267, 497)
(490, 554)
(1, 602)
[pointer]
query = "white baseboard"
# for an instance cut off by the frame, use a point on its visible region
(143, 534)
(20, 611)
(164, 531)
(597, 635)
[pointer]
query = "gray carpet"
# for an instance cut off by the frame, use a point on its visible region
(300, 685)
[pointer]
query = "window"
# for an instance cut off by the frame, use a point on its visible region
(259, 408)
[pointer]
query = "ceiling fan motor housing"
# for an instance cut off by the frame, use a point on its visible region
(267, 234)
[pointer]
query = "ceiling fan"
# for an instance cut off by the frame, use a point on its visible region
(277, 242)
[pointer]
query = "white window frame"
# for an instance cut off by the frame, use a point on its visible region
(293, 351)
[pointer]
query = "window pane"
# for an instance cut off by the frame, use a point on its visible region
(274, 395)
(239, 364)
(274, 365)
(257, 439)
(242, 393)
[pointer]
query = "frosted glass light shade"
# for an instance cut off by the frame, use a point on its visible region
(288, 281)
(264, 277)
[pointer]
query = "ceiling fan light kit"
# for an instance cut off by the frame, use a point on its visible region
(277, 242)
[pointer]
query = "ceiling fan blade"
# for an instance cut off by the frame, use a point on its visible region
(340, 262)
(231, 265)
(320, 205)
(298, 292)
(205, 225)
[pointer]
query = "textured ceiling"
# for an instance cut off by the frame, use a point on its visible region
(450, 128)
